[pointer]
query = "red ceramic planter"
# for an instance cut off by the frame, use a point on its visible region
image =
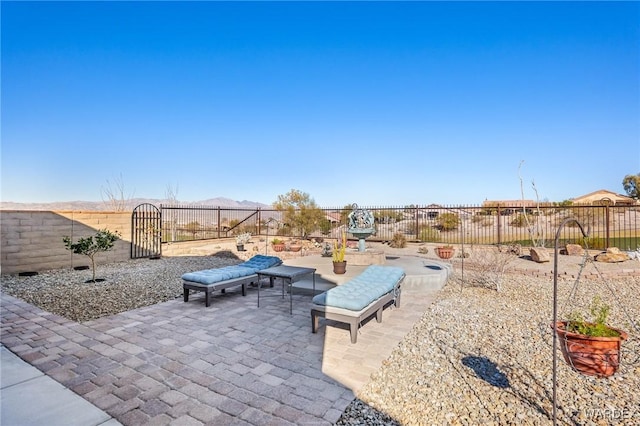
(592, 356)
(444, 252)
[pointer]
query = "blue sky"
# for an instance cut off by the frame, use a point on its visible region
(375, 103)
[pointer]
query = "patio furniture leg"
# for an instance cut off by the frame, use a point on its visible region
(185, 294)
(353, 328)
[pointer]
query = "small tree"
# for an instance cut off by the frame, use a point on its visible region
(631, 184)
(90, 246)
(300, 211)
(534, 227)
(171, 194)
(114, 195)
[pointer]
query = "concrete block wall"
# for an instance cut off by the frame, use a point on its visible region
(32, 240)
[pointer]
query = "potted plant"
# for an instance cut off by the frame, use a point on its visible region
(295, 246)
(242, 239)
(339, 250)
(445, 252)
(277, 244)
(591, 347)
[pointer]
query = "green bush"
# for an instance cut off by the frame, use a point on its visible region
(448, 221)
(325, 226)
(598, 326)
(428, 234)
(594, 243)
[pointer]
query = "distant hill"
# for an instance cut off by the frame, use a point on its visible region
(129, 205)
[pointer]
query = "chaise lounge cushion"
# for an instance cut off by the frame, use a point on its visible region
(357, 293)
(259, 262)
(250, 267)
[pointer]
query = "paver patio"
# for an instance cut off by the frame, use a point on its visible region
(231, 363)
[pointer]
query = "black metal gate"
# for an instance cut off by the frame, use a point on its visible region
(146, 232)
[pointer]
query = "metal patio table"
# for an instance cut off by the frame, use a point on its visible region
(289, 275)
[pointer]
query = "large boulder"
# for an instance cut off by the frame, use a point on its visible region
(539, 254)
(612, 255)
(574, 250)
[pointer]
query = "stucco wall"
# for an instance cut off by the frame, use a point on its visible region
(32, 240)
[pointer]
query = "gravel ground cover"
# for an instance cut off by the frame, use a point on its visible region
(477, 356)
(127, 285)
(483, 357)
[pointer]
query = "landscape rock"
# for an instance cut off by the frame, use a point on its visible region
(574, 250)
(612, 255)
(539, 254)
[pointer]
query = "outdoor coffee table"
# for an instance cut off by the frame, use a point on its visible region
(289, 275)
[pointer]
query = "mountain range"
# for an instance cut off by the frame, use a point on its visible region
(127, 204)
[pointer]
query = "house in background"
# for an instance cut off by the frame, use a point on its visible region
(510, 203)
(596, 198)
(432, 211)
(602, 197)
(333, 217)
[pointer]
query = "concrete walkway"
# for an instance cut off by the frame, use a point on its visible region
(30, 398)
(184, 364)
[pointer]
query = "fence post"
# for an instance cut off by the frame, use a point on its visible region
(606, 226)
(258, 220)
(499, 225)
(218, 220)
(416, 219)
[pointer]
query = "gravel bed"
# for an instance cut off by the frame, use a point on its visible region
(484, 357)
(127, 285)
(477, 356)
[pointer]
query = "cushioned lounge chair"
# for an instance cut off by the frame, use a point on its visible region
(359, 298)
(210, 280)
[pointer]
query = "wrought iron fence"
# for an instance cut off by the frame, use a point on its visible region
(609, 226)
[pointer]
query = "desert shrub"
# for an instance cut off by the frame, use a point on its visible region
(428, 234)
(410, 227)
(594, 243)
(448, 221)
(487, 211)
(245, 228)
(398, 241)
(325, 226)
(519, 220)
(387, 216)
(490, 265)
